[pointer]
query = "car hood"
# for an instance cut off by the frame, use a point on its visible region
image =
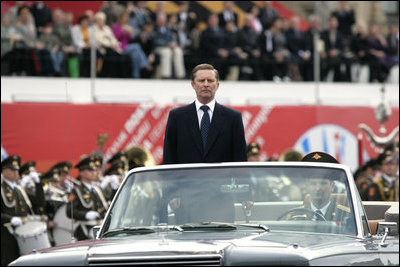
(187, 248)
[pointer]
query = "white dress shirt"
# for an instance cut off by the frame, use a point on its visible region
(200, 112)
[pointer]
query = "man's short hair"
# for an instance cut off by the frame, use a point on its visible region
(204, 66)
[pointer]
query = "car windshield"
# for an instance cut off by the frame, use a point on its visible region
(282, 198)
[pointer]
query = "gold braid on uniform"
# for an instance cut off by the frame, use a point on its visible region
(382, 191)
(101, 196)
(25, 196)
(88, 205)
(5, 200)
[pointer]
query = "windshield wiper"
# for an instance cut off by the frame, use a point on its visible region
(141, 230)
(209, 225)
(253, 225)
(221, 226)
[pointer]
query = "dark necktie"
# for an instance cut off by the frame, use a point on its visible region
(205, 125)
(321, 217)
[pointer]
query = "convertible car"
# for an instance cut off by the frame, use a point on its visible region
(264, 213)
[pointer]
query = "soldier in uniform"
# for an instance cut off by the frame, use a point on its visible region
(66, 181)
(253, 152)
(319, 205)
(15, 205)
(88, 202)
(120, 156)
(27, 181)
(383, 188)
(54, 198)
(112, 179)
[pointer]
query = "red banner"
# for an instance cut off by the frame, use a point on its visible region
(51, 132)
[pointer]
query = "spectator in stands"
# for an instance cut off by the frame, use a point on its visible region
(267, 13)
(108, 47)
(112, 10)
(139, 15)
(186, 18)
(227, 15)
(346, 19)
(256, 23)
(182, 38)
(274, 53)
(393, 41)
(25, 27)
(359, 47)
(146, 40)
(61, 29)
(247, 40)
(90, 15)
(41, 14)
(14, 11)
(82, 36)
(50, 53)
(8, 38)
(194, 36)
(25, 60)
(312, 31)
(235, 52)
(332, 56)
(160, 9)
(124, 34)
(300, 56)
(381, 59)
(212, 46)
(171, 54)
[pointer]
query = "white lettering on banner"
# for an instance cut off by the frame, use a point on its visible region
(158, 130)
(116, 145)
(158, 154)
(142, 131)
(259, 120)
(147, 144)
(136, 118)
(246, 117)
(156, 112)
(129, 126)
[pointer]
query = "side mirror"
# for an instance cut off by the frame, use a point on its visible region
(96, 230)
(391, 228)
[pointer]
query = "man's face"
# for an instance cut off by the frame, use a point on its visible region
(206, 85)
(11, 175)
(88, 175)
(390, 166)
(320, 190)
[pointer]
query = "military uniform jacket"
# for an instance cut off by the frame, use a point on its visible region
(16, 202)
(13, 202)
(335, 212)
(380, 190)
(84, 200)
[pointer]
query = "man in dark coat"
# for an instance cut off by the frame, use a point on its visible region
(185, 140)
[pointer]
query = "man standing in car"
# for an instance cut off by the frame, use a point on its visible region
(204, 131)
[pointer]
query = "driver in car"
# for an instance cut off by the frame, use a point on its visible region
(319, 205)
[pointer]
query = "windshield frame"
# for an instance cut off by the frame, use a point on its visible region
(353, 199)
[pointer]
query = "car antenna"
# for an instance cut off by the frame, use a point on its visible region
(73, 240)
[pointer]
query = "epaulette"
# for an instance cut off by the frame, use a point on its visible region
(344, 208)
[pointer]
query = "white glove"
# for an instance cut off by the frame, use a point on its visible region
(25, 181)
(114, 181)
(92, 215)
(105, 182)
(16, 221)
(34, 176)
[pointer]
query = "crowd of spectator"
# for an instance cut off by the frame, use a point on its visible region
(132, 41)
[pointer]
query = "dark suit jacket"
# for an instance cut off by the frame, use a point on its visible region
(183, 144)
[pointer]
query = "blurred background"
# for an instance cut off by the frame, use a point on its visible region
(98, 77)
